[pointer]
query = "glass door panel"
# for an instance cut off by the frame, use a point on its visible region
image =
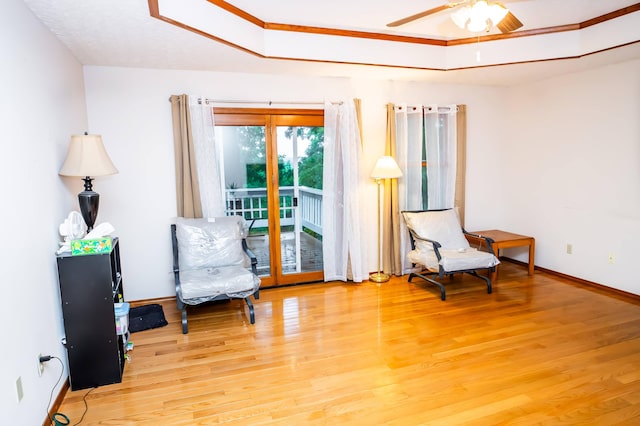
(300, 156)
(245, 178)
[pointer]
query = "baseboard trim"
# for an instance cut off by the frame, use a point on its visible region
(57, 403)
(159, 300)
(610, 291)
(625, 295)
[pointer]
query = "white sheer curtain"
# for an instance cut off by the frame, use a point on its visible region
(424, 132)
(440, 139)
(409, 131)
(342, 184)
(207, 158)
(409, 140)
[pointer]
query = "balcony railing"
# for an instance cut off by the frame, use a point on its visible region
(251, 203)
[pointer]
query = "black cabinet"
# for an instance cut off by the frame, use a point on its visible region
(89, 286)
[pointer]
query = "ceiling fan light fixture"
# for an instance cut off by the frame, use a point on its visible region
(497, 13)
(477, 24)
(461, 16)
(471, 15)
(480, 16)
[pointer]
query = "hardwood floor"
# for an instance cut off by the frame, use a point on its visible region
(539, 350)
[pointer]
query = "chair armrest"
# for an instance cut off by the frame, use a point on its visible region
(176, 268)
(252, 256)
(415, 236)
(436, 245)
(471, 237)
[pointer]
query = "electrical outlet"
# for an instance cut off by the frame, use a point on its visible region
(612, 258)
(19, 390)
(569, 248)
(40, 366)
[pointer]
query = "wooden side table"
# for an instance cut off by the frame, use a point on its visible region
(504, 239)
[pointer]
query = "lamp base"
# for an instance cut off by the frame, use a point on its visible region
(89, 201)
(379, 277)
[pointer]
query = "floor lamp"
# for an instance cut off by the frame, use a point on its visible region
(385, 168)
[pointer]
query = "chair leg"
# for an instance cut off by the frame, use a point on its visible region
(185, 329)
(182, 307)
(443, 295)
(252, 315)
(486, 279)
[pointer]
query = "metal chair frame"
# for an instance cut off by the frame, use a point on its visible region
(426, 273)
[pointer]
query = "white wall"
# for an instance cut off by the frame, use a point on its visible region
(571, 172)
(42, 105)
(130, 108)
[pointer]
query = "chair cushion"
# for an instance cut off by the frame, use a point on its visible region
(441, 226)
(201, 285)
(453, 260)
(210, 243)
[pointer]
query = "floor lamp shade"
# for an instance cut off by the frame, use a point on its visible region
(385, 168)
(87, 157)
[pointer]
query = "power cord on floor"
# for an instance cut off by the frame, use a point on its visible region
(60, 419)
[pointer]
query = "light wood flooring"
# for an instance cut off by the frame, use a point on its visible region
(539, 350)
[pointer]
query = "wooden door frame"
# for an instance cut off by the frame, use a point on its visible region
(271, 118)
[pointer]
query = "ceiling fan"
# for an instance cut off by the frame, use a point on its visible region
(473, 15)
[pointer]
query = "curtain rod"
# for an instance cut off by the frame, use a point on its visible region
(207, 101)
(427, 107)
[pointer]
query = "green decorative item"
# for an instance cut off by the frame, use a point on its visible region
(91, 246)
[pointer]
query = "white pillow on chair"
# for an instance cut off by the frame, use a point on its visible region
(442, 226)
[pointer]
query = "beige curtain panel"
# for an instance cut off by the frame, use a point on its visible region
(357, 102)
(391, 258)
(392, 254)
(187, 187)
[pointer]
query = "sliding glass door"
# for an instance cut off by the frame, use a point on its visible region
(272, 167)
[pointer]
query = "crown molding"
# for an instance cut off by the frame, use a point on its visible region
(227, 24)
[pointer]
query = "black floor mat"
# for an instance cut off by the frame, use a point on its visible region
(146, 317)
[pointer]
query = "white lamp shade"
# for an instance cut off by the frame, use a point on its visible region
(477, 25)
(87, 157)
(461, 16)
(386, 168)
(480, 9)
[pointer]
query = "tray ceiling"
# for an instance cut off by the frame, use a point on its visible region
(238, 36)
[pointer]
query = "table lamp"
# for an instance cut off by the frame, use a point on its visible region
(87, 157)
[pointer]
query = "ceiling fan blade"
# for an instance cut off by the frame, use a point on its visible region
(419, 15)
(509, 23)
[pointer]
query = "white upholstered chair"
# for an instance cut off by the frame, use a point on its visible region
(440, 246)
(211, 261)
